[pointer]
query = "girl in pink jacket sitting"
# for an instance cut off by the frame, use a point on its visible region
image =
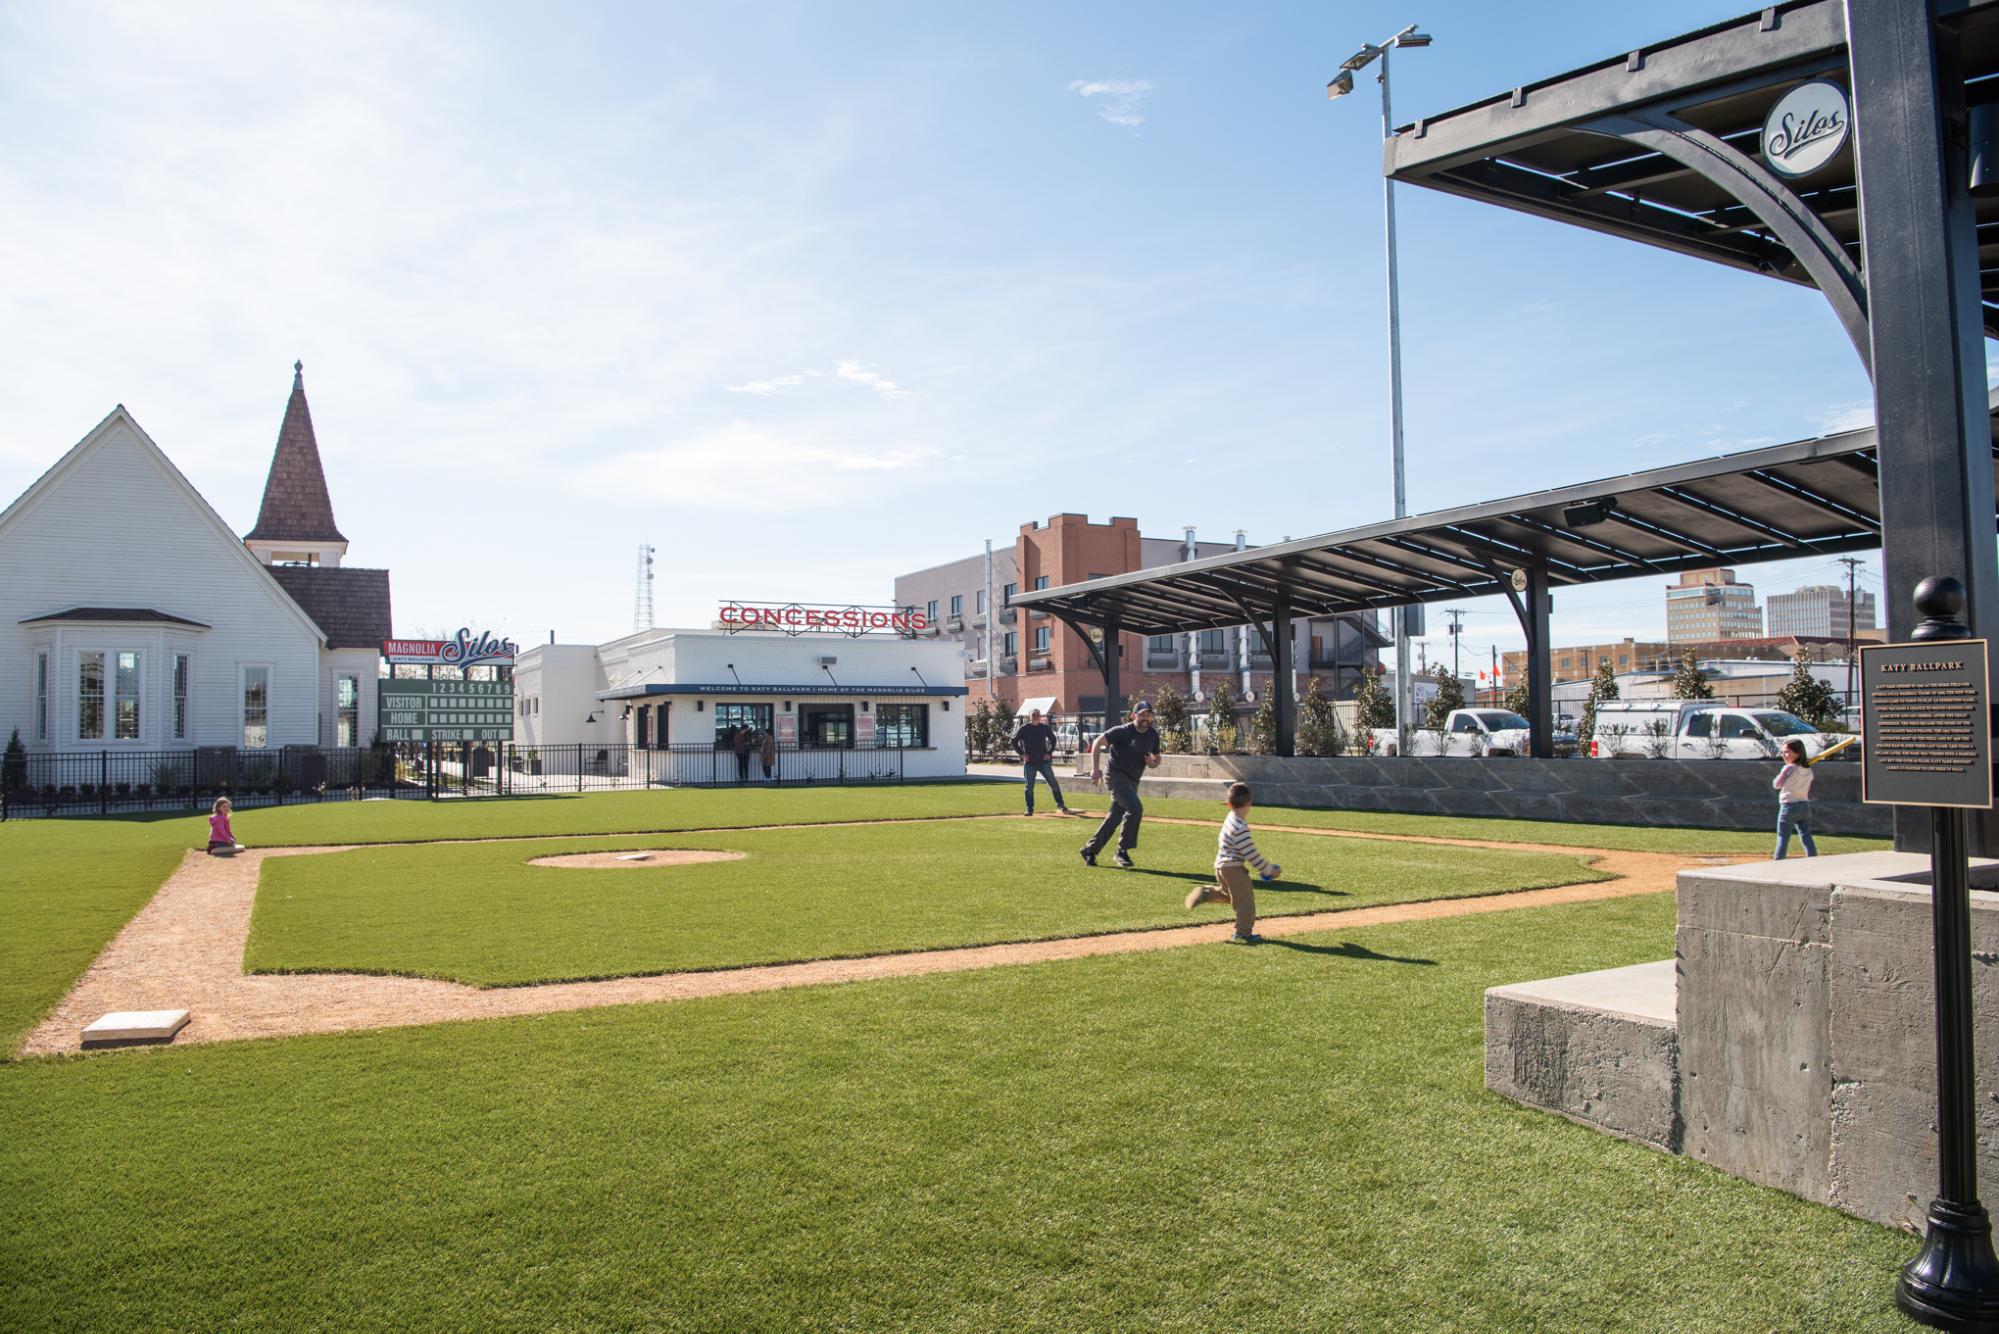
(221, 839)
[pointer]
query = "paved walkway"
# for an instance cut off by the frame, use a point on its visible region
(185, 949)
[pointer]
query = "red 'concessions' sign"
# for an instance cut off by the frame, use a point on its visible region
(798, 618)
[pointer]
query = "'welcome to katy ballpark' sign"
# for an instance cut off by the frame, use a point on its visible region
(447, 710)
(800, 618)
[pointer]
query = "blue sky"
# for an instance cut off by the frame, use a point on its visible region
(810, 295)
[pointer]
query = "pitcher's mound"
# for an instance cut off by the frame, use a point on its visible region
(635, 859)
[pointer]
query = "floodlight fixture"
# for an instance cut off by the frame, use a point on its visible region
(1362, 58)
(1341, 85)
(1410, 37)
(1589, 513)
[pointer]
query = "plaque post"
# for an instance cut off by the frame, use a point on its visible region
(1953, 1283)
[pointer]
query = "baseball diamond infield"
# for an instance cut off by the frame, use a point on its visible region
(185, 949)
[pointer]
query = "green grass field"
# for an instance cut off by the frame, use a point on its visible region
(479, 913)
(1294, 1137)
(67, 886)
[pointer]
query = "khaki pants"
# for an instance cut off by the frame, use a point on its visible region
(1237, 889)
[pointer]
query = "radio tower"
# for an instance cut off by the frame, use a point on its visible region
(642, 594)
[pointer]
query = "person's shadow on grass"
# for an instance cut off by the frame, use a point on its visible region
(1346, 949)
(1262, 886)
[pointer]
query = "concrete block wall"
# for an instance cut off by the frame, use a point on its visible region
(1807, 1031)
(1703, 794)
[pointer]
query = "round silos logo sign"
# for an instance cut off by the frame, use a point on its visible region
(1807, 128)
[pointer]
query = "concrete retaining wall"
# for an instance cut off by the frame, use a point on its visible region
(1701, 794)
(1802, 1049)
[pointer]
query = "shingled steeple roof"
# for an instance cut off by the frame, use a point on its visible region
(296, 506)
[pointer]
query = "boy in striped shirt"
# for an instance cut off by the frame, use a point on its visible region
(1234, 855)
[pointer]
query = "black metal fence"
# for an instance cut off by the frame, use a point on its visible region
(105, 782)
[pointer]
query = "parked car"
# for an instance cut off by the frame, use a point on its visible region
(1468, 732)
(1702, 730)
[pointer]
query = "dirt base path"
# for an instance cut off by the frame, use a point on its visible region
(185, 949)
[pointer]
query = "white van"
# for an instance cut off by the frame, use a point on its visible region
(1697, 729)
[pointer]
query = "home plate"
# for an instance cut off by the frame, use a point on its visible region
(122, 1026)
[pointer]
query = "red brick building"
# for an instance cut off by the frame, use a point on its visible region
(1036, 657)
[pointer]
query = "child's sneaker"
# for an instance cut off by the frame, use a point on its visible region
(1199, 895)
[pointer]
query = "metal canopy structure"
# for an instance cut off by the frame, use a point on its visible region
(1664, 145)
(1819, 497)
(1807, 498)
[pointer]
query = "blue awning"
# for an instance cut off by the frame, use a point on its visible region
(730, 689)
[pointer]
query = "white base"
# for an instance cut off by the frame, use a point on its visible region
(136, 1026)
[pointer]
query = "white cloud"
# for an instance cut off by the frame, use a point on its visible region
(855, 371)
(1839, 417)
(1123, 100)
(747, 468)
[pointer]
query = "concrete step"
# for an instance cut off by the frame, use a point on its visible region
(1600, 1048)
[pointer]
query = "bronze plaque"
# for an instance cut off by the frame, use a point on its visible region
(1926, 728)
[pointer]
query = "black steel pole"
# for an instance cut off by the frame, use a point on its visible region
(1540, 679)
(1919, 247)
(1953, 1283)
(1283, 705)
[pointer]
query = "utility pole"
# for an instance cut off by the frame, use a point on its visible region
(1852, 612)
(1496, 695)
(1457, 616)
(992, 622)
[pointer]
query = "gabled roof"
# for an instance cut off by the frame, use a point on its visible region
(114, 614)
(296, 505)
(350, 605)
(119, 416)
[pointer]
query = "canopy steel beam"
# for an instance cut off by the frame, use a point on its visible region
(1800, 230)
(1796, 492)
(1589, 543)
(1664, 534)
(1721, 511)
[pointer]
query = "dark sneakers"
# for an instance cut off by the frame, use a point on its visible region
(1089, 858)
(1124, 860)
(1251, 939)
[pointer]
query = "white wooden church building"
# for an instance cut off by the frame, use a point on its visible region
(133, 619)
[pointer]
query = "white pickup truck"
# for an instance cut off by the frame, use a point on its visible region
(1702, 730)
(1466, 732)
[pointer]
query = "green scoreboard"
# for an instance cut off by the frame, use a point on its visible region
(447, 710)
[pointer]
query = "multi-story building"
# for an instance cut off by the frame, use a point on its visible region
(1036, 657)
(1820, 609)
(1711, 605)
(1579, 663)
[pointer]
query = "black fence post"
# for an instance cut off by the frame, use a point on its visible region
(103, 782)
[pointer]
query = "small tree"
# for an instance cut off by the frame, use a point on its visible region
(1689, 681)
(1519, 699)
(1373, 706)
(1450, 695)
(1222, 733)
(1176, 730)
(14, 766)
(1263, 720)
(1318, 722)
(1602, 686)
(1658, 739)
(1807, 696)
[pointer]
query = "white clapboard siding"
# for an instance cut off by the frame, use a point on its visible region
(115, 525)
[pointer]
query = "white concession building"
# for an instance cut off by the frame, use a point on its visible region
(834, 703)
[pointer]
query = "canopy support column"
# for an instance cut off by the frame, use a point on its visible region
(1919, 249)
(1282, 703)
(1108, 656)
(1540, 680)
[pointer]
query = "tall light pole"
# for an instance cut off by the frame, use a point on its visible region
(1342, 84)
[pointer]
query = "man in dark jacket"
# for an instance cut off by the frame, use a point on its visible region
(1035, 741)
(1134, 748)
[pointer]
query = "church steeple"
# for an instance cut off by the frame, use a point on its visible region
(295, 523)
